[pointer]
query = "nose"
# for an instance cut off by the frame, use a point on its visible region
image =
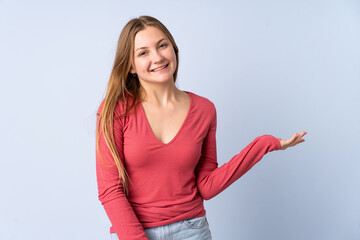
(157, 57)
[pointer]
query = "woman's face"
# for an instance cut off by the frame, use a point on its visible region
(153, 50)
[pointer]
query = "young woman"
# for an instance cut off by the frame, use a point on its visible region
(156, 157)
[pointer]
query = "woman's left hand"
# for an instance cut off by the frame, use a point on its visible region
(294, 140)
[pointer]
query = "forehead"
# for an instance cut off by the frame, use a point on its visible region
(148, 37)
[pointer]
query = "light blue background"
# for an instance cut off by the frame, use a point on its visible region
(270, 67)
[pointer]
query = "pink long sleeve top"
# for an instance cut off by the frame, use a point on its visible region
(169, 182)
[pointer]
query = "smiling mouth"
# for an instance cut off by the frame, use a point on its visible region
(160, 68)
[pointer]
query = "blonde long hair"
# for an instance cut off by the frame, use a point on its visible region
(122, 84)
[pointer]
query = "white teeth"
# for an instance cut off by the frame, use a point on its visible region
(157, 69)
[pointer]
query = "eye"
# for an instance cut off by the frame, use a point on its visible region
(164, 44)
(141, 54)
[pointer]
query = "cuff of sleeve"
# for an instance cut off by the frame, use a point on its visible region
(274, 142)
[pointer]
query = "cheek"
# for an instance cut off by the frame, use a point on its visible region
(142, 65)
(171, 55)
(174, 61)
(174, 56)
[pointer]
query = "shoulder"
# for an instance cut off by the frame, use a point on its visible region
(119, 111)
(204, 108)
(203, 103)
(120, 107)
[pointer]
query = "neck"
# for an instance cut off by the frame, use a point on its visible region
(160, 94)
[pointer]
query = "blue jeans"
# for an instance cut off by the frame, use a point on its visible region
(189, 229)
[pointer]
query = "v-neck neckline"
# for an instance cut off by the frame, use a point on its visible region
(181, 127)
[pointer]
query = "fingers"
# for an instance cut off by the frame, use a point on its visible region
(299, 139)
(303, 133)
(292, 139)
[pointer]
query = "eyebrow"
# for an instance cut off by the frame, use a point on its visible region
(146, 47)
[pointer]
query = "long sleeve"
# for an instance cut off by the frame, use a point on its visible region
(211, 179)
(110, 192)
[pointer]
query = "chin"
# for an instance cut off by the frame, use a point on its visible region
(163, 79)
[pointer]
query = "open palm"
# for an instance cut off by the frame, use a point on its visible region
(294, 140)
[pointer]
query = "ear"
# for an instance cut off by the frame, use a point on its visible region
(132, 70)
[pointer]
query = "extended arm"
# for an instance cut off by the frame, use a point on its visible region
(211, 179)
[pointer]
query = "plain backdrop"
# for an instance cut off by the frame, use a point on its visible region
(270, 67)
